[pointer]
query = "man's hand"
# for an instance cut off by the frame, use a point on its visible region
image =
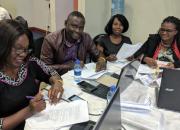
(101, 64)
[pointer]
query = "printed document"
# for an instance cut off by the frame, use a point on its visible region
(135, 98)
(57, 116)
(127, 50)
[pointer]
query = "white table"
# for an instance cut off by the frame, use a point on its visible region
(157, 119)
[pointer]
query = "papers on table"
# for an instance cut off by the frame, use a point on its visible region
(68, 91)
(127, 50)
(148, 75)
(135, 98)
(57, 116)
(88, 72)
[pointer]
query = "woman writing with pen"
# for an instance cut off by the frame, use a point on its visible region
(18, 74)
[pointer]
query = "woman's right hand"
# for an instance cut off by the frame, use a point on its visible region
(37, 104)
(150, 62)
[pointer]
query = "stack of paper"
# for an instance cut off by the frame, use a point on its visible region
(136, 98)
(60, 115)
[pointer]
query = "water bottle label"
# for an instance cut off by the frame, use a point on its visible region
(77, 72)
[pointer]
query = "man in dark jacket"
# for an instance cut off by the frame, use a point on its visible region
(61, 48)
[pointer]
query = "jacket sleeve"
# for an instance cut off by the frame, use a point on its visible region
(143, 49)
(47, 55)
(177, 64)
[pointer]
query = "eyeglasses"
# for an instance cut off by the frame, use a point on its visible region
(167, 30)
(20, 50)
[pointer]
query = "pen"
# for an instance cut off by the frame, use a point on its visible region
(45, 98)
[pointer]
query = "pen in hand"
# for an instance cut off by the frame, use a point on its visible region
(45, 98)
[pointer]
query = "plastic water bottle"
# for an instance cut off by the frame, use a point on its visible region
(111, 93)
(77, 71)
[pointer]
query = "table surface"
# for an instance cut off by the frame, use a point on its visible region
(156, 119)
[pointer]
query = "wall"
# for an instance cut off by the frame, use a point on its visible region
(145, 16)
(34, 11)
(62, 10)
(37, 12)
(97, 13)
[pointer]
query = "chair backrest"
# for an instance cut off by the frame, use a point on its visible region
(37, 46)
(96, 38)
(38, 38)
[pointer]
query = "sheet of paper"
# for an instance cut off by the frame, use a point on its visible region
(145, 69)
(68, 91)
(62, 114)
(128, 50)
(88, 72)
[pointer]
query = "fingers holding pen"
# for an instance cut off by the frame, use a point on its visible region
(37, 104)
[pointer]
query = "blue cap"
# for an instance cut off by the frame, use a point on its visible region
(77, 61)
(113, 88)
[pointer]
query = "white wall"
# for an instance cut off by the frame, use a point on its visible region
(97, 13)
(145, 16)
(62, 10)
(37, 12)
(34, 11)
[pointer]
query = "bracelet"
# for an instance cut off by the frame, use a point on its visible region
(1, 123)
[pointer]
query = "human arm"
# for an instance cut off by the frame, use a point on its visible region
(111, 57)
(50, 47)
(56, 90)
(150, 62)
(35, 105)
(47, 74)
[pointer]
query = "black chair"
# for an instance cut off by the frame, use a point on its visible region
(37, 46)
(89, 58)
(38, 38)
(97, 37)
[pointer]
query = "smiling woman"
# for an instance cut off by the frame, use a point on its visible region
(18, 74)
(164, 46)
(111, 43)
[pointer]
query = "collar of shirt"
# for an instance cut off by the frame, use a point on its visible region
(70, 44)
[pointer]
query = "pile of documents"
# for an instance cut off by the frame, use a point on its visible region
(136, 98)
(57, 116)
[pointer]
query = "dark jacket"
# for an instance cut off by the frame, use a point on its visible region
(149, 48)
(52, 52)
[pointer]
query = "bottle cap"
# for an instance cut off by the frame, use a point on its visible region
(113, 88)
(77, 61)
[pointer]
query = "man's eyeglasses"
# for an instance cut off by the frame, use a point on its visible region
(167, 30)
(20, 50)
